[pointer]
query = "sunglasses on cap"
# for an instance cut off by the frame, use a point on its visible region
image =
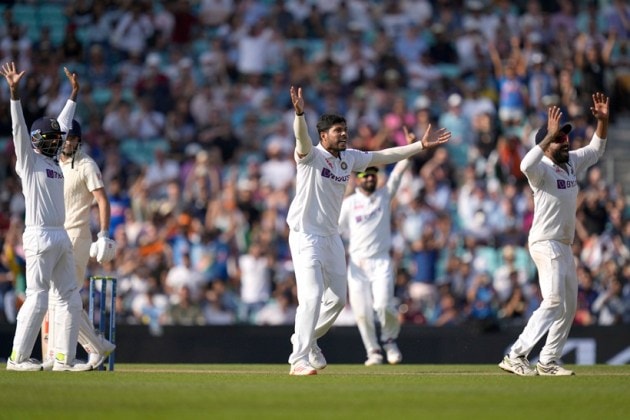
(366, 174)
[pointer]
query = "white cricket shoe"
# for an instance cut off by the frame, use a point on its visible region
(518, 366)
(97, 358)
(28, 365)
(394, 356)
(374, 358)
(302, 368)
(76, 366)
(552, 369)
(316, 358)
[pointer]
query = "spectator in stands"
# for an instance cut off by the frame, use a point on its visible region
(255, 279)
(611, 305)
(133, 30)
(147, 122)
(186, 310)
(154, 84)
(117, 121)
(510, 74)
(587, 294)
(280, 310)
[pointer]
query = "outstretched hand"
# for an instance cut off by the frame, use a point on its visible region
(11, 74)
(600, 106)
(297, 100)
(432, 139)
(74, 80)
(553, 120)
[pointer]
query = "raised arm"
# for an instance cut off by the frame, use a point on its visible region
(67, 113)
(396, 176)
(600, 110)
(74, 82)
(21, 135)
(303, 142)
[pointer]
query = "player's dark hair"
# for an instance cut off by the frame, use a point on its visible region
(328, 120)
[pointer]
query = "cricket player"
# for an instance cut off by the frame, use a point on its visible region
(552, 171)
(316, 247)
(47, 247)
(366, 221)
(83, 184)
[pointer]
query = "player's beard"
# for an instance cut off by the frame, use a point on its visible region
(336, 143)
(368, 186)
(561, 155)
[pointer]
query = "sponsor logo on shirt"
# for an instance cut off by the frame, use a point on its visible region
(565, 185)
(327, 173)
(365, 217)
(50, 173)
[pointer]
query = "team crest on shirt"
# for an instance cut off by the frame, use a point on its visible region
(344, 165)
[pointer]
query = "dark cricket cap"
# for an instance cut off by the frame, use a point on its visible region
(371, 170)
(46, 125)
(542, 131)
(75, 130)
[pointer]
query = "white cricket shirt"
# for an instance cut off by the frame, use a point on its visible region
(366, 219)
(42, 178)
(321, 182)
(555, 190)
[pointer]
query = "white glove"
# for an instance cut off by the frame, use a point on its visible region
(104, 249)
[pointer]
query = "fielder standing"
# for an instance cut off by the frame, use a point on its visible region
(316, 247)
(366, 220)
(47, 248)
(552, 171)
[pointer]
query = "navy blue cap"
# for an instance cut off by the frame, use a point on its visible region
(75, 130)
(46, 125)
(542, 132)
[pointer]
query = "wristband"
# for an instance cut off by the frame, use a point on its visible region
(299, 114)
(102, 234)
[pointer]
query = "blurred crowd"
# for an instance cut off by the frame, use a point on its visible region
(185, 106)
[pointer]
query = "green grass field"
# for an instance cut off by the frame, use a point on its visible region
(138, 391)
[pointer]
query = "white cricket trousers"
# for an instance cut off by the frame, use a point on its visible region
(320, 273)
(49, 270)
(371, 290)
(559, 287)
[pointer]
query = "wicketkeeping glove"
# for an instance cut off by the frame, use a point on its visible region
(104, 249)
